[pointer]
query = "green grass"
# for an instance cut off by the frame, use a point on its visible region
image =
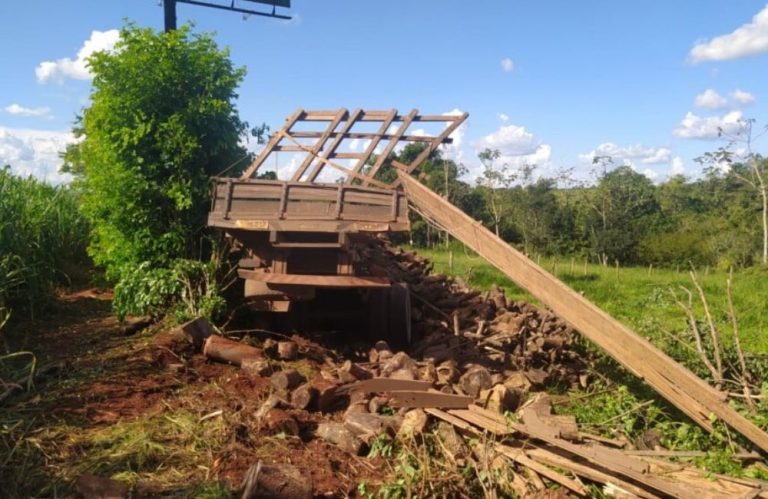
(636, 296)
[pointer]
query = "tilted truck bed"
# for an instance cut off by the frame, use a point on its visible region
(284, 206)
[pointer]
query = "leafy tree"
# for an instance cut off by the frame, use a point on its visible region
(751, 169)
(161, 122)
(493, 183)
(622, 210)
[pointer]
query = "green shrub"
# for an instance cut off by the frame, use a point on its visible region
(161, 122)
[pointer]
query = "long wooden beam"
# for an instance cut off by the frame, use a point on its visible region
(273, 142)
(678, 385)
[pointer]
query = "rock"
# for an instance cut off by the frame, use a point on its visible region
(447, 372)
(365, 425)
(477, 378)
(287, 379)
(304, 397)
(341, 436)
(256, 367)
(355, 370)
(287, 350)
(414, 423)
(277, 481)
(278, 420)
(96, 487)
(518, 382)
(499, 399)
(398, 362)
(270, 403)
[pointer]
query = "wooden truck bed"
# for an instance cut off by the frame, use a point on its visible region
(284, 206)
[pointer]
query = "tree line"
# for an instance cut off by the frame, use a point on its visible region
(622, 216)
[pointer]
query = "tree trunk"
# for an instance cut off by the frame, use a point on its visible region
(226, 350)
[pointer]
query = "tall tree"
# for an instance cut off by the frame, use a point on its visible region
(160, 123)
(748, 167)
(622, 210)
(494, 181)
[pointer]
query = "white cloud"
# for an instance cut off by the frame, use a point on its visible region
(710, 99)
(454, 150)
(77, 69)
(742, 97)
(748, 39)
(709, 127)
(503, 117)
(652, 175)
(678, 168)
(34, 152)
(517, 147)
(629, 154)
(507, 65)
(354, 144)
(28, 111)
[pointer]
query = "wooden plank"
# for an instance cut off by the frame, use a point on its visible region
(318, 146)
(550, 458)
(414, 398)
(320, 281)
(520, 457)
(674, 382)
(273, 141)
(375, 385)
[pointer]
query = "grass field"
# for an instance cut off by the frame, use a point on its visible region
(638, 296)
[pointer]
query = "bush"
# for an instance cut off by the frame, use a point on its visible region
(676, 248)
(161, 122)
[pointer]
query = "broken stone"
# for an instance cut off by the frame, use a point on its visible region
(475, 379)
(414, 423)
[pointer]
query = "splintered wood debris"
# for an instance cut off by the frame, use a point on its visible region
(480, 369)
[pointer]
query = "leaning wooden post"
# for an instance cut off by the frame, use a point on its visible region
(689, 393)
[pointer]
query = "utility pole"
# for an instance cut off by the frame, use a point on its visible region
(169, 8)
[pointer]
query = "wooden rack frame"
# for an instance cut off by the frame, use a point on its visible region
(339, 127)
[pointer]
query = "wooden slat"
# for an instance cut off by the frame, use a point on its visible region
(372, 146)
(273, 141)
(519, 456)
(338, 137)
(340, 168)
(320, 281)
(670, 379)
(390, 147)
(413, 398)
(434, 144)
(375, 385)
(318, 146)
(368, 135)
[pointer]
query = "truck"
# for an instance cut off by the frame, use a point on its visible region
(303, 237)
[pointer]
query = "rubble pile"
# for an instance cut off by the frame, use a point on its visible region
(479, 373)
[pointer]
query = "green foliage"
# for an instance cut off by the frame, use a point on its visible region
(190, 288)
(42, 240)
(160, 123)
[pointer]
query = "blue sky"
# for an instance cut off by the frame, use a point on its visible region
(549, 82)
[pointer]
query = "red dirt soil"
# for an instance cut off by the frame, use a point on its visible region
(110, 377)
